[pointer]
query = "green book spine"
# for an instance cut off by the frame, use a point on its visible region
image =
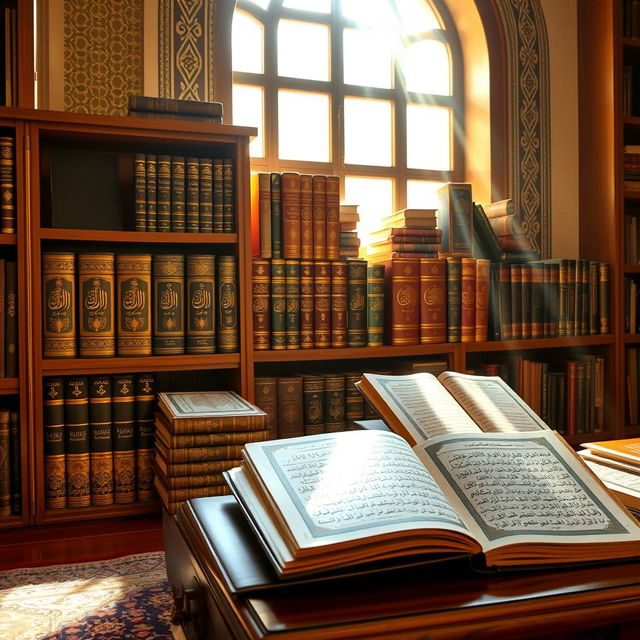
(375, 305)
(306, 304)
(123, 414)
(59, 300)
(276, 215)
(100, 440)
(145, 402)
(96, 284)
(7, 185)
(278, 304)
(357, 303)
(354, 400)
(11, 319)
(140, 188)
(218, 196)
(454, 298)
(55, 471)
(292, 293)
(227, 304)
(177, 193)
(604, 297)
(5, 467)
(201, 303)
(322, 304)
(192, 194)
(134, 304)
(14, 463)
(168, 316)
(228, 193)
(334, 397)
(76, 418)
(313, 404)
(164, 193)
(338, 303)
(206, 195)
(152, 192)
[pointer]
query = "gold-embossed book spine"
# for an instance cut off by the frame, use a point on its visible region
(433, 300)
(357, 303)
(140, 187)
(177, 193)
(134, 304)
(206, 195)
(168, 296)
(201, 304)
(322, 304)
(7, 185)
(123, 413)
(76, 418)
(306, 216)
(339, 303)
(144, 403)
(261, 284)
(292, 318)
(192, 195)
(152, 192)
(59, 303)
(227, 304)
(55, 471)
(100, 440)
(163, 204)
(375, 305)
(278, 304)
(306, 304)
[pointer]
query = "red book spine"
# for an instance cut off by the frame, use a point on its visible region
(468, 301)
(261, 277)
(403, 285)
(483, 268)
(322, 304)
(333, 217)
(291, 215)
(319, 197)
(306, 217)
(339, 303)
(433, 300)
(306, 304)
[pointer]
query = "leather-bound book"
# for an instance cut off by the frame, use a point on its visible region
(306, 304)
(290, 407)
(319, 197)
(205, 197)
(354, 401)
(402, 292)
(551, 298)
(11, 318)
(100, 440)
(537, 300)
(163, 205)
(516, 301)
(76, 418)
(313, 403)
(334, 402)
(228, 196)
(357, 303)
(266, 397)
(322, 304)
(571, 297)
(292, 295)
(192, 194)
(563, 298)
(218, 195)
(55, 473)
(306, 216)
(96, 290)
(505, 301)
(197, 454)
(7, 185)
(5, 466)
(14, 462)
(604, 297)
(261, 209)
(433, 300)
(178, 196)
(140, 191)
(483, 271)
(278, 304)
(261, 307)
(594, 302)
(152, 192)
(190, 469)
(454, 298)
(134, 304)
(468, 300)
(455, 218)
(227, 304)
(375, 305)
(493, 332)
(290, 184)
(59, 305)
(584, 298)
(526, 278)
(201, 299)
(2, 318)
(339, 303)
(144, 405)
(276, 215)
(123, 414)
(333, 217)
(168, 312)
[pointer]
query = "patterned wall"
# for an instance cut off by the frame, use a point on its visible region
(103, 54)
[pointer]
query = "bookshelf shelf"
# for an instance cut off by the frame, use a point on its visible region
(11, 522)
(632, 269)
(58, 516)
(9, 385)
(84, 235)
(8, 238)
(631, 195)
(540, 343)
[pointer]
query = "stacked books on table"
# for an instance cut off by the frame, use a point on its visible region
(198, 436)
(349, 241)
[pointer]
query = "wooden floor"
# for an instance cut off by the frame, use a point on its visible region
(60, 544)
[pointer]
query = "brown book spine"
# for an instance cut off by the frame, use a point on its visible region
(319, 186)
(55, 471)
(178, 206)
(123, 413)
(292, 318)
(185, 482)
(140, 179)
(144, 433)
(227, 304)
(604, 297)
(76, 417)
(11, 320)
(483, 275)
(433, 300)
(187, 440)
(354, 401)
(291, 215)
(168, 315)
(152, 192)
(516, 301)
(205, 199)
(7, 185)
(198, 454)
(357, 303)
(261, 307)
(468, 300)
(313, 402)
(59, 300)
(96, 284)
(187, 469)
(163, 206)
(290, 407)
(134, 304)
(15, 462)
(266, 397)
(333, 217)
(201, 304)
(505, 301)
(192, 195)
(339, 303)
(403, 291)
(218, 195)
(228, 196)
(306, 216)
(334, 402)
(322, 304)
(5, 468)
(525, 292)
(100, 440)
(306, 304)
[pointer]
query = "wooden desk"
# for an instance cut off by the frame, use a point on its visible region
(432, 601)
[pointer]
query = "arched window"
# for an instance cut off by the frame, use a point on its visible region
(369, 90)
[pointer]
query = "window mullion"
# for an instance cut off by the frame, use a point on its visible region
(337, 95)
(271, 90)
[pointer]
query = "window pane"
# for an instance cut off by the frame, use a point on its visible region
(303, 50)
(366, 12)
(421, 194)
(247, 43)
(417, 16)
(367, 59)
(303, 126)
(374, 197)
(368, 132)
(428, 137)
(248, 105)
(321, 6)
(264, 4)
(426, 67)
(410, 16)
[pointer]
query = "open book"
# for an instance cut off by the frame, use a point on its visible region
(510, 499)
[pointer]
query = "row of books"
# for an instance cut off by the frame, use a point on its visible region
(295, 216)
(98, 439)
(631, 167)
(631, 18)
(7, 185)
(174, 193)
(10, 473)
(155, 308)
(632, 386)
(631, 306)
(8, 319)
(631, 239)
(9, 48)
(175, 109)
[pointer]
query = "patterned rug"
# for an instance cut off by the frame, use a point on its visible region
(120, 598)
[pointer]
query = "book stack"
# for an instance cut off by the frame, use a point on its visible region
(349, 241)
(198, 436)
(408, 233)
(175, 109)
(10, 472)
(506, 225)
(632, 167)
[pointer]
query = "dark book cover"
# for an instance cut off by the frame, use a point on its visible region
(594, 299)
(306, 304)
(168, 312)
(319, 203)
(55, 471)
(526, 293)
(375, 305)
(334, 402)
(201, 303)
(276, 215)
(165, 115)
(537, 300)
(322, 304)
(261, 303)
(96, 285)
(485, 242)
(483, 282)
(468, 300)
(178, 204)
(266, 398)
(357, 303)
(123, 414)
(306, 216)
(604, 297)
(100, 440)
(505, 301)
(313, 404)
(192, 195)
(227, 304)
(571, 297)
(261, 209)
(140, 191)
(59, 304)
(290, 407)
(153, 104)
(333, 217)
(144, 407)
(454, 298)
(228, 196)
(292, 295)
(455, 218)
(551, 298)
(205, 199)
(7, 185)
(11, 319)
(134, 304)
(14, 462)
(152, 192)
(563, 298)
(290, 198)
(76, 418)
(163, 205)
(516, 301)
(354, 400)
(278, 304)
(5, 466)
(584, 297)
(339, 300)
(494, 303)
(218, 195)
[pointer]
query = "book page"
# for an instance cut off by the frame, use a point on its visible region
(524, 487)
(617, 479)
(491, 402)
